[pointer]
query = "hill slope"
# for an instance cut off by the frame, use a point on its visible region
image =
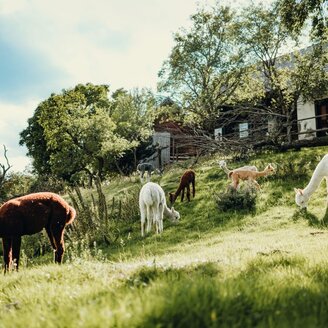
(267, 267)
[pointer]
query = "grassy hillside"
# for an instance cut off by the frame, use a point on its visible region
(267, 267)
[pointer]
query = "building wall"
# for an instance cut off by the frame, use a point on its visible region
(306, 110)
(161, 140)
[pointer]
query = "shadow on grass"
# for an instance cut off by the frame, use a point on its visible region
(277, 291)
(313, 220)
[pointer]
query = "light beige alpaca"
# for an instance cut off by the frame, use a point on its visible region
(224, 167)
(237, 175)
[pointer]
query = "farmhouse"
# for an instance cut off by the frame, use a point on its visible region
(172, 142)
(308, 121)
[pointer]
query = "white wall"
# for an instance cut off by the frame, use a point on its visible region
(304, 110)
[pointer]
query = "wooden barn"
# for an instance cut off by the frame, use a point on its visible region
(172, 142)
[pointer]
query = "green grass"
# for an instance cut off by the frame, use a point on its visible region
(265, 268)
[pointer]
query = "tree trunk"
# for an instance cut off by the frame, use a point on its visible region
(135, 158)
(117, 166)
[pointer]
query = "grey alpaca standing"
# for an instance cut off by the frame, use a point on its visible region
(149, 168)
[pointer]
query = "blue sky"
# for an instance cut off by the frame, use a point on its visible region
(47, 46)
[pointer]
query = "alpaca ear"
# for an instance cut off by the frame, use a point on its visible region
(298, 191)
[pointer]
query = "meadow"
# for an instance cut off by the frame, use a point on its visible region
(265, 267)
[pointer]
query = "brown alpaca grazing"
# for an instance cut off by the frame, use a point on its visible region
(28, 215)
(237, 175)
(187, 178)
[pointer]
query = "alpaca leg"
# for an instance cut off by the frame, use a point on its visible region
(327, 188)
(149, 219)
(193, 188)
(256, 184)
(58, 234)
(141, 176)
(143, 219)
(16, 245)
(235, 183)
(182, 194)
(161, 215)
(188, 192)
(51, 238)
(7, 252)
(148, 176)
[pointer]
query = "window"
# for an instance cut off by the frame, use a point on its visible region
(218, 134)
(243, 130)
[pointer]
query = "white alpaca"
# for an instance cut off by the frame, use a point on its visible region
(152, 204)
(321, 171)
(223, 166)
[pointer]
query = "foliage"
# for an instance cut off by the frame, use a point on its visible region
(81, 132)
(98, 217)
(236, 200)
(204, 66)
(16, 184)
(295, 14)
(134, 115)
(287, 78)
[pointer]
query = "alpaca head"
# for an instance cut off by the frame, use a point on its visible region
(175, 215)
(269, 169)
(222, 163)
(300, 199)
(171, 198)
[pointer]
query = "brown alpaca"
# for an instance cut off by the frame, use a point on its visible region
(187, 178)
(28, 215)
(237, 175)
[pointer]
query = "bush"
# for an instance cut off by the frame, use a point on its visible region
(98, 217)
(232, 200)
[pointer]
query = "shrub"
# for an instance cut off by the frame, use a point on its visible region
(98, 217)
(232, 200)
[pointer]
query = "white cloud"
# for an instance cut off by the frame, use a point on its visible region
(13, 121)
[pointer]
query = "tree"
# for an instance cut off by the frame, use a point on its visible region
(295, 13)
(4, 168)
(205, 66)
(133, 114)
(78, 133)
(33, 138)
(286, 77)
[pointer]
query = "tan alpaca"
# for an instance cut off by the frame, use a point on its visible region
(237, 175)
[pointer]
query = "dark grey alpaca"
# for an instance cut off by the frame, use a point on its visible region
(149, 168)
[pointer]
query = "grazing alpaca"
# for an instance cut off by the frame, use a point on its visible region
(302, 196)
(187, 178)
(28, 215)
(149, 168)
(223, 166)
(153, 207)
(237, 175)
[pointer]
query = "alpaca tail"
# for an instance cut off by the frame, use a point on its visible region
(71, 215)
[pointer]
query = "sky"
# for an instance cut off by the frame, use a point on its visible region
(47, 46)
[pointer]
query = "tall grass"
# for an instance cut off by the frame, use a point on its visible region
(267, 267)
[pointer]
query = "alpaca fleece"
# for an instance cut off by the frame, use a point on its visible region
(28, 215)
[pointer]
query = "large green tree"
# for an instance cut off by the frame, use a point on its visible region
(76, 131)
(205, 65)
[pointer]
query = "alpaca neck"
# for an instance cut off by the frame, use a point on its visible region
(177, 193)
(262, 173)
(167, 211)
(315, 180)
(225, 169)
